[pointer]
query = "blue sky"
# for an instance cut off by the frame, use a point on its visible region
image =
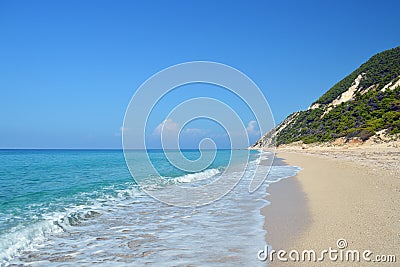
(69, 68)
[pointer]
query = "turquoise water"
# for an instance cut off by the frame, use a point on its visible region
(81, 207)
(37, 182)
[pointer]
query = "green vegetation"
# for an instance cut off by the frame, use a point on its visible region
(379, 69)
(367, 114)
(369, 111)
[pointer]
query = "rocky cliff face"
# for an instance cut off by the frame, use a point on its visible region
(269, 139)
(362, 104)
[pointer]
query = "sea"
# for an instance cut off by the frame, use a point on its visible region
(84, 208)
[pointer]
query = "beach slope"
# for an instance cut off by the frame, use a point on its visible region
(335, 198)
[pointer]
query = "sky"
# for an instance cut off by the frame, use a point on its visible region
(68, 69)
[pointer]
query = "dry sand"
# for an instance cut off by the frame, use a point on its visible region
(338, 194)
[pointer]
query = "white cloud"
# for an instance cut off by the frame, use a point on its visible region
(252, 128)
(167, 127)
(194, 131)
(170, 127)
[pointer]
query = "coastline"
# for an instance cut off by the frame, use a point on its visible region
(335, 197)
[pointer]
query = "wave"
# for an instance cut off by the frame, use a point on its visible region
(86, 206)
(15, 240)
(198, 176)
(26, 236)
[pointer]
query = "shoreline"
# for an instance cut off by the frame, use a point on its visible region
(289, 210)
(334, 197)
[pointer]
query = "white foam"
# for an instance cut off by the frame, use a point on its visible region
(17, 239)
(229, 228)
(21, 238)
(199, 176)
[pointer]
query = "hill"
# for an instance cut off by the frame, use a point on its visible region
(363, 104)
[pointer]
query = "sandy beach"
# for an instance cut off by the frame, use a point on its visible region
(350, 194)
